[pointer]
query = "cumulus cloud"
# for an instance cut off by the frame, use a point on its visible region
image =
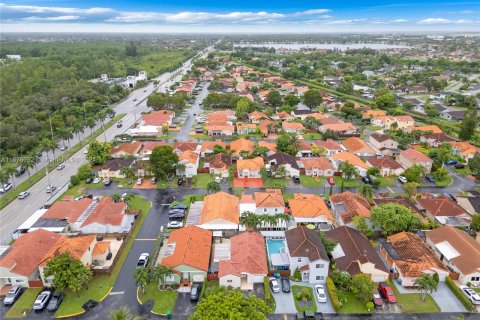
(40, 9)
(57, 18)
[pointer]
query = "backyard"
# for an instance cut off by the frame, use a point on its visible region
(351, 303)
(202, 180)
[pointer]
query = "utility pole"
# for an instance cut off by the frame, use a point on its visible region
(51, 127)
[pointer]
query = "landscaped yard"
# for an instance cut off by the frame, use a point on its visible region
(309, 181)
(99, 287)
(374, 128)
(23, 304)
(444, 182)
(202, 179)
(412, 303)
(351, 183)
(163, 184)
(352, 304)
(163, 300)
(82, 188)
(465, 171)
(287, 196)
(308, 302)
(386, 182)
(200, 136)
(312, 136)
(274, 183)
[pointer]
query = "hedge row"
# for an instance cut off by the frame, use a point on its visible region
(456, 290)
(269, 300)
(332, 292)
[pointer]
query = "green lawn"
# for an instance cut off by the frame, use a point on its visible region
(163, 184)
(412, 303)
(352, 304)
(295, 290)
(374, 128)
(287, 197)
(274, 183)
(100, 285)
(202, 180)
(312, 136)
(163, 300)
(444, 182)
(465, 171)
(351, 183)
(386, 182)
(309, 181)
(24, 304)
(200, 136)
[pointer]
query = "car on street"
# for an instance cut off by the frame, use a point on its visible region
(366, 180)
(107, 182)
(274, 285)
(60, 166)
(296, 179)
(470, 294)
(134, 99)
(176, 210)
(89, 180)
(20, 172)
(12, 295)
(451, 196)
(42, 301)
(377, 298)
(402, 179)
(54, 303)
(430, 179)
(63, 148)
(22, 195)
(97, 180)
(180, 181)
(285, 284)
(320, 293)
(175, 225)
(85, 151)
(153, 180)
(50, 189)
(308, 315)
(176, 216)
(387, 292)
(139, 181)
(195, 293)
(452, 162)
(6, 187)
(460, 166)
(143, 260)
(119, 125)
(179, 206)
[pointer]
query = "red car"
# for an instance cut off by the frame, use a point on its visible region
(377, 299)
(387, 292)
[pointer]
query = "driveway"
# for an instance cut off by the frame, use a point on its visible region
(321, 307)
(183, 306)
(284, 303)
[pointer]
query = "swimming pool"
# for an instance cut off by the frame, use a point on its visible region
(275, 246)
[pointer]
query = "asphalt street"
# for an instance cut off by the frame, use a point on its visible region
(196, 109)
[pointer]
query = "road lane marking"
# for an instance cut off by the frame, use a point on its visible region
(461, 190)
(390, 189)
(145, 239)
(117, 293)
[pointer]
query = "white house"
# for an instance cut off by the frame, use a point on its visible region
(190, 160)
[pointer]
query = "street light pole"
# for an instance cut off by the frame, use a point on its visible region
(51, 127)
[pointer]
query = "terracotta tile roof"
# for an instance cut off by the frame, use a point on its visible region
(220, 205)
(69, 210)
(127, 148)
(220, 161)
(465, 148)
(354, 205)
(250, 164)
(439, 137)
(354, 144)
(433, 128)
(223, 128)
(385, 162)
(28, 251)
(415, 156)
(257, 115)
(468, 260)
(272, 146)
(380, 137)
(329, 145)
(242, 144)
(188, 156)
(270, 198)
(158, 118)
(192, 248)
(303, 242)
(318, 116)
(414, 257)
(320, 163)
(265, 124)
(404, 118)
(184, 146)
(357, 249)
(373, 113)
(309, 206)
(150, 145)
(284, 115)
(286, 125)
(247, 255)
(101, 247)
(442, 206)
(349, 157)
(75, 246)
(329, 121)
(106, 212)
(339, 126)
(210, 145)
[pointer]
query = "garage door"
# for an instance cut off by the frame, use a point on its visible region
(378, 278)
(198, 278)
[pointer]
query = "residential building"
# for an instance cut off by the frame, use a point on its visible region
(269, 202)
(148, 147)
(384, 144)
(271, 146)
(359, 147)
(219, 164)
(250, 168)
(464, 149)
(410, 157)
(347, 205)
(113, 168)
(220, 130)
(436, 139)
(331, 146)
(239, 145)
(445, 211)
(429, 128)
(282, 159)
(150, 125)
(387, 166)
(338, 158)
(310, 209)
(208, 147)
(317, 167)
(257, 116)
(190, 160)
(220, 212)
(126, 149)
(293, 127)
(343, 128)
(453, 115)
(246, 128)
(182, 146)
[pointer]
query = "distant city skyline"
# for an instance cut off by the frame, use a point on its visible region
(239, 17)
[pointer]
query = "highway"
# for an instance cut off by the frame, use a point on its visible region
(18, 211)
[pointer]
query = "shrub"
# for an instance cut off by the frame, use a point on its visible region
(304, 295)
(332, 291)
(297, 276)
(269, 300)
(74, 180)
(459, 294)
(369, 305)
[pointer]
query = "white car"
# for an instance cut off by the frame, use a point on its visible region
(320, 293)
(85, 151)
(41, 301)
(139, 181)
(6, 187)
(60, 166)
(402, 179)
(50, 189)
(143, 260)
(274, 285)
(218, 179)
(23, 195)
(471, 294)
(97, 180)
(175, 225)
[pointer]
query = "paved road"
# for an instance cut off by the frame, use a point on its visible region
(19, 210)
(195, 109)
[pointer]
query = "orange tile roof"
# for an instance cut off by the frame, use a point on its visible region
(270, 198)
(272, 146)
(465, 148)
(354, 205)
(321, 163)
(317, 116)
(69, 210)
(150, 145)
(106, 212)
(101, 247)
(286, 125)
(226, 127)
(354, 144)
(242, 144)
(184, 146)
(373, 113)
(257, 115)
(349, 157)
(188, 156)
(433, 128)
(158, 118)
(75, 246)
(247, 255)
(220, 205)
(284, 115)
(128, 148)
(329, 144)
(210, 145)
(250, 164)
(404, 118)
(415, 156)
(339, 126)
(221, 161)
(442, 206)
(28, 251)
(309, 206)
(192, 248)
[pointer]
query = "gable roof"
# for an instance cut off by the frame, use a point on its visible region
(210, 145)
(247, 255)
(185, 146)
(309, 206)
(385, 162)
(220, 161)
(67, 209)
(329, 144)
(241, 144)
(220, 205)
(287, 125)
(158, 118)
(271, 146)
(188, 156)
(354, 144)
(303, 242)
(339, 126)
(351, 158)
(282, 158)
(270, 198)
(192, 248)
(415, 156)
(433, 128)
(320, 163)
(442, 206)
(150, 145)
(116, 164)
(357, 250)
(128, 148)
(106, 212)
(380, 137)
(75, 246)
(354, 205)
(250, 164)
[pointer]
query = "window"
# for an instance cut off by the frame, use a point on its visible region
(19, 281)
(321, 278)
(276, 210)
(230, 281)
(299, 259)
(264, 209)
(319, 266)
(475, 279)
(318, 277)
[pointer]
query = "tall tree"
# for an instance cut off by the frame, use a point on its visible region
(312, 98)
(159, 273)
(393, 218)
(10, 170)
(362, 287)
(468, 125)
(98, 152)
(162, 161)
(348, 172)
(426, 283)
(213, 187)
(410, 189)
(275, 99)
(250, 220)
(366, 191)
(141, 277)
(128, 172)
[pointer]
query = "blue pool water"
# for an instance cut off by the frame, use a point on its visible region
(274, 246)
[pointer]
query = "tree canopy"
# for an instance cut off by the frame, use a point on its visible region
(162, 161)
(67, 272)
(393, 218)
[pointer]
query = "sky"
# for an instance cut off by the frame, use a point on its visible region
(245, 16)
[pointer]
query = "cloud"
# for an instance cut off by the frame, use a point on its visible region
(57, 18)
(446, 21)
(39, 9)
(313, 11)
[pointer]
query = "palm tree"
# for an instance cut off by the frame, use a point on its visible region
(116, 197)
(250, 220)
(426, 283)
(294, 143)
(281, 171)
(4, 176)
(159, 273)
(65, 134)
(48, 145)
(128, 198)
(213, 187)
(444, 152)
(348, 171)
(77, 129)
(102, 115)
(128, 172)
(179, 167)
(441, 173)
(366, 191)
(10, 170)
(29, 163)
(90, 123)
(142, 278)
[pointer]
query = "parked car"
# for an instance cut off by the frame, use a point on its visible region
(12, 295)
(50, 189)
(176, 216)
(430, 179)
(63, 148)
(471, 294)
(452, 162)
(195, 293)
(97, 180)
(285, 284)
(320, 293)
(85, 151)
(42, 300)
(274, 285)
(134, 99)
(387, 292)
(175, 224)
(153, 180)
(6, 187)
(180, 181)
(54, 303)
(179, 206)
(460, 166)
(143, 260)
(89, 180)
(308, 315)
(22, 195)
(176, 211)
(377, 298)
(20, 172)
(218, 179)
(107, 182)
(296, 179)
(451, 196)
(139, 181)
(402, 179)
(119, 125)
(366, 180)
